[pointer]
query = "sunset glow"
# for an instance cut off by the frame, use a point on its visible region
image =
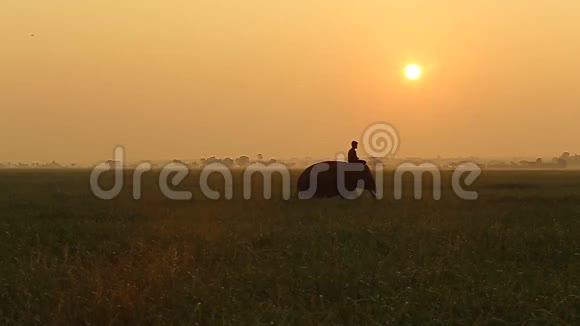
(235, 78)
(413, 72)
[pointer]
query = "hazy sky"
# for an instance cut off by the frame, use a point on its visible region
(189, 78)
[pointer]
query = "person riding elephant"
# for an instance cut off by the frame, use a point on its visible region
(352, 155)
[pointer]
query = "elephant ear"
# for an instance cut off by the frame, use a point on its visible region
(370, 179)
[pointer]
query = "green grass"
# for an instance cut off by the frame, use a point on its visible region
(510, 257)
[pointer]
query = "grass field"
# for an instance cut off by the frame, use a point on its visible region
(510, 257)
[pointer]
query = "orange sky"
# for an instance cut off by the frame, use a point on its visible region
(188, 79)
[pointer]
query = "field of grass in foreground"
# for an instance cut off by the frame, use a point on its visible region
(510, 257)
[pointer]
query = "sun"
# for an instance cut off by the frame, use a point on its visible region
(413, 72)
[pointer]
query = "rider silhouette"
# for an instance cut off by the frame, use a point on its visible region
(352, 156)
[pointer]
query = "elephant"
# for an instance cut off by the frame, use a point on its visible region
(335, 178)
